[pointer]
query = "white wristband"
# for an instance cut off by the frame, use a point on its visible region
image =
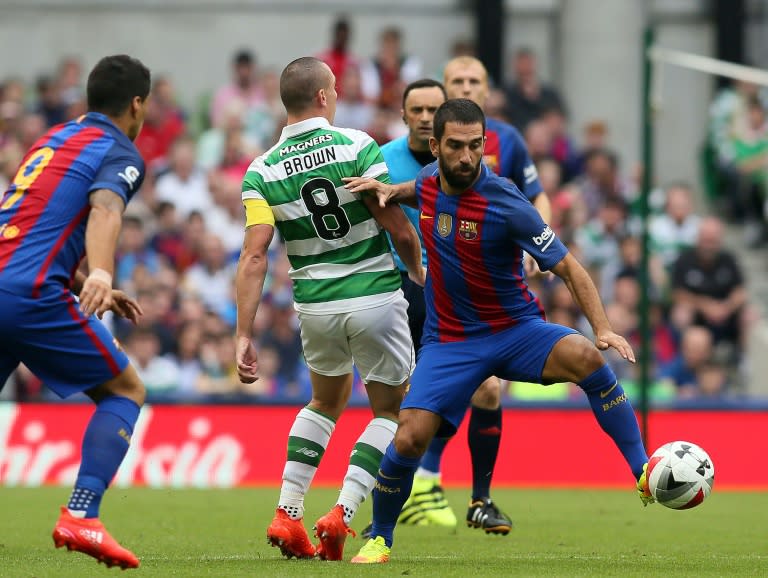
(101, 275)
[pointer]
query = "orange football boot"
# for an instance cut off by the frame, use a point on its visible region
(332, 532)
(290, 536)
(89, 536)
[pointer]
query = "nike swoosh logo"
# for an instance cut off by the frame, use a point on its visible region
(386, 477)
(423, 216)
(604, 394)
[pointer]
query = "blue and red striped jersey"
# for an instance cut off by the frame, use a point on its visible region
(507, 156)
(475, 242)
(44, 212)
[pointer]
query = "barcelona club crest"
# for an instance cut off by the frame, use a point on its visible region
(467, 230)
(492, 161)
(444, 224)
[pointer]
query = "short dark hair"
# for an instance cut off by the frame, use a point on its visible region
(300, 81)
(341, 24)
(607, 154)
(243, 56)
(423, 83)
(114, 82)
(460, 110)
(525, 51)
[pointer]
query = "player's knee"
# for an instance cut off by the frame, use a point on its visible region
(127, 384)
(410, 441)
(592, 359)
(488, 395)
(330, 407)
(133, 389)
(410, 446)
(385, 400)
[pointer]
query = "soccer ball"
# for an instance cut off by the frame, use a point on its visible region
(680, 475)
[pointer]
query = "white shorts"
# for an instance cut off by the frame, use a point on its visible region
(377, 340)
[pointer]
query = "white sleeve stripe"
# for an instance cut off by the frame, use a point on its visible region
(251, 194)
(376, 170)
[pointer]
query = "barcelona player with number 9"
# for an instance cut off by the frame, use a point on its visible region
(66, 202)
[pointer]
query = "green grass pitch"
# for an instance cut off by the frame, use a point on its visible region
(557, 533)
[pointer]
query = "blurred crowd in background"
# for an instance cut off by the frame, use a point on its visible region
(182, 233)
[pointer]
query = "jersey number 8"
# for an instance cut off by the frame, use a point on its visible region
(328, 218)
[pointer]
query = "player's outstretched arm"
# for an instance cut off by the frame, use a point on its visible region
(101, 234)
(404, 193)
(403, 235)
(585, 294)
(249, 283)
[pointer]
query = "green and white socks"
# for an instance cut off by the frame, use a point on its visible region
(307, 441)
(364, 464)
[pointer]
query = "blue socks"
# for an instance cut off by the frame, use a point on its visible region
(392, 488)
(484, 438)
(105, 443)
(430, 461)
(615, 415)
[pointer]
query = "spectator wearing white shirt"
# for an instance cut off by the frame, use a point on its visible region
(678, 227)
(160, 374)
(213, 276)
(184, 185)
(227, 216)
(353, 110)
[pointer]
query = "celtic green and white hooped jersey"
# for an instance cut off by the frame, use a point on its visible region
(340, 258)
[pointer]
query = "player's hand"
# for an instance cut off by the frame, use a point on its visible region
(96, 294)
(607, 339)
(125, 307)
(246, 359)
(383, 191)
(420, 278)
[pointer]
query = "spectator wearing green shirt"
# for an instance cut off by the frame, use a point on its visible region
(750, 147)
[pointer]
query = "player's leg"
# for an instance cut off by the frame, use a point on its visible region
(394, 480)
(574, 358)
(307, 441)
(436, 401)
(427, 504)
(561, 354)
(332, 529)
(381, 347)
(106, 439)
(484, 437)
(105, 443)
(73, 354)
(330, 362)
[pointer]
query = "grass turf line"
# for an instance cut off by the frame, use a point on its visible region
(557, 533)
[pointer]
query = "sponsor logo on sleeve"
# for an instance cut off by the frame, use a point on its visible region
(546, 238)
(130, 175)
(530, 173)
